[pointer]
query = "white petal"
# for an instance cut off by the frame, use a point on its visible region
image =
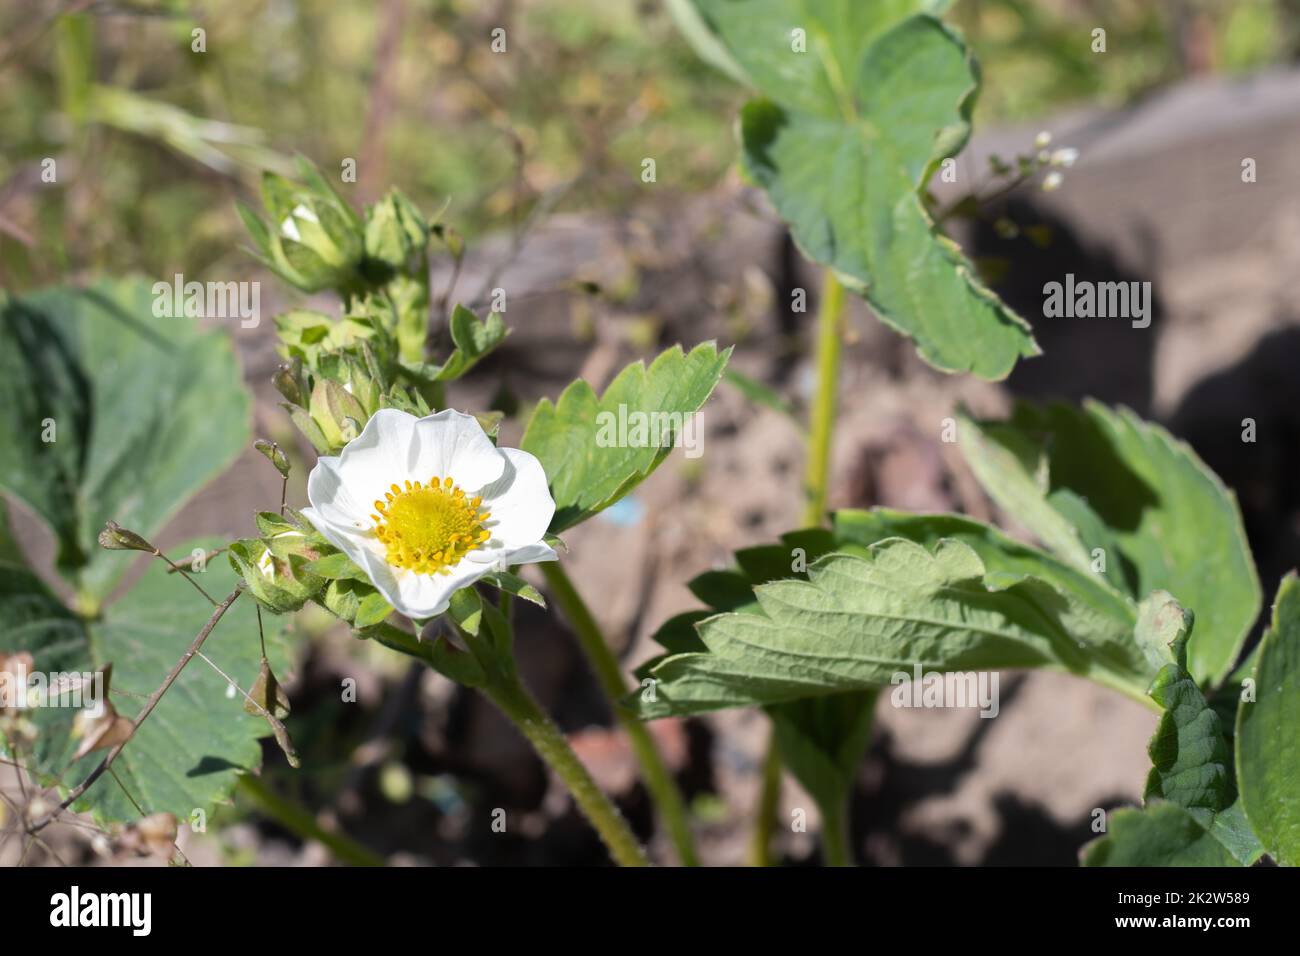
(332, 499)
(418, 596)
(382, 455)
(266, 564)
(531, 554)
(453, 444)
(520, 503)
(355, 544)
(421, 596)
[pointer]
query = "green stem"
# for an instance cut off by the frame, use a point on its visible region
(820, 428)
(517, 704)
(836, 849)
(822, 423)
(509, 694)
(299, 820)
(662, 787)
(760, 841)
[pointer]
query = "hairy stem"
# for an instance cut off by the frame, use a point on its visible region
(769, 795)
(663, 789)
(822, 423)
(518, 704)
(821, 428)
(836, 848)
(509, 694)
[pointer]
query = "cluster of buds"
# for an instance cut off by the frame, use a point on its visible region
(316, 241)
(331, 395)
(338, 371)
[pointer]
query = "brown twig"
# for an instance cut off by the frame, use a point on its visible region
(156, 696)
(186, 566)
(185, 574)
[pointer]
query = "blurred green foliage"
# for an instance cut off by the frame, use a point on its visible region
(154, 141)
(1037, 54)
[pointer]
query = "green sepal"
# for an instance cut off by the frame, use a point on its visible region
(338, 565)
(292, 584)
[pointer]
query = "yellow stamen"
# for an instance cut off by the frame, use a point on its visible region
(429, 528)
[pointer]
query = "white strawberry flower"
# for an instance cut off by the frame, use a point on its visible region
(426, 506)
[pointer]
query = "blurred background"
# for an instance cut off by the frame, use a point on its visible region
(537, 156)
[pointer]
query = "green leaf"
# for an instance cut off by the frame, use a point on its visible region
(1191, 762)
(190, 751)
(758, 37)
(845, 137)
(821, 739)
(1268, 746)
(861, 619)
(592, 449)
(145, 412)
(1163, 630)
(1163, 834)
(1091, 478)
(1110, 617)
(473, 338)
(513, 584)
(488, 635)
(1233, 830)
(372, 609)
(344, 597)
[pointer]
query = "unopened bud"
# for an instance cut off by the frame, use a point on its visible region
(274, 454)
(286, 383)
(116, 538)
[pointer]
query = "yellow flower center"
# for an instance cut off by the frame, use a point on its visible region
(429, 528)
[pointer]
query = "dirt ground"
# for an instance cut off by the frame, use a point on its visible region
(1157, 195)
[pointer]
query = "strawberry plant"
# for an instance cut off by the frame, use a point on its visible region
(421, 528)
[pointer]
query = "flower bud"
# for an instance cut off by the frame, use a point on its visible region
(116, 538)
(288, 382)
(314, 240)
(276, 574)
(397, 235)
(274, 454)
